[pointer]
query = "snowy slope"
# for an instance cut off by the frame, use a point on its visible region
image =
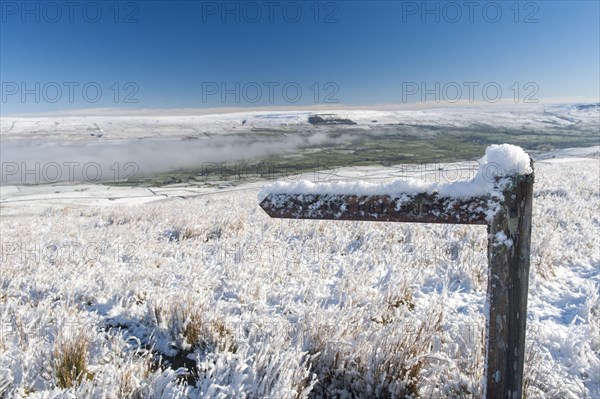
(281, 308)
(102, 128)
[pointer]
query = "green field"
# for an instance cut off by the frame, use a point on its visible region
(384, 145)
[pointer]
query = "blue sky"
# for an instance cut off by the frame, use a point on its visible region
(194, 54)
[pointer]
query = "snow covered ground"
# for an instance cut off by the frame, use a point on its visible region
(240, 305)
(94, 129)
(139, 148)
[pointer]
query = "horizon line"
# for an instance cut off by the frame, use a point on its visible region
(190, 111)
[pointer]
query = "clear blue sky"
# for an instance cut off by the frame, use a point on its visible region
(181, 53)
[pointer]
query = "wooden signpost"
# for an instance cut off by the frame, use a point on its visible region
(509, 235)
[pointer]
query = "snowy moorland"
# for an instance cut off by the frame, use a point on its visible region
(178, 292)
(162, 149)
(583, 117)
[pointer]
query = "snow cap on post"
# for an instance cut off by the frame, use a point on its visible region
(504, 160)
(499, 161)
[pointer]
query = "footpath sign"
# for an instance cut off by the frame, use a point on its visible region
(499, 196)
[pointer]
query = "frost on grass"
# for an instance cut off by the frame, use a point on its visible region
(246, 306)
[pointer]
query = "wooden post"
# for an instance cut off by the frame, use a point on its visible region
(508, 282)
(509, 237)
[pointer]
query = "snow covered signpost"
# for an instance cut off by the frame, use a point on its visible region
(499, 196)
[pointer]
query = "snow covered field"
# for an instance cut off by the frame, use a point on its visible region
(156, 124)
(240, 305)
(137, 149)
